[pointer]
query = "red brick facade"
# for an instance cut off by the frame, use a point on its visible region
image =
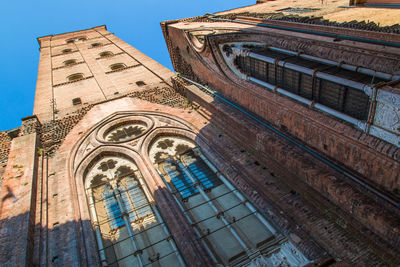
(45, 217)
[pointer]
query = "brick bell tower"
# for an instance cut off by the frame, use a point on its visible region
(116, 167)
(124, 163)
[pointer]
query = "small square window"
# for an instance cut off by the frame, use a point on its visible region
(76, 101)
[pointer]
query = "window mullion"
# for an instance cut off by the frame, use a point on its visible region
(213, 207)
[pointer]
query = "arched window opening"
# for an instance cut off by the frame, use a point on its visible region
(117, 66)
(96, 44)
(229, 225)
(70, 62)
(106, 54)
(65, 51)
(75, 77)
(129, 229)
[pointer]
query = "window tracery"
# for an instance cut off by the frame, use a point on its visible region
(230, 227)
(129, 228)
(125, 131)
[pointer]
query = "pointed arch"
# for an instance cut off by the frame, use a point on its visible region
(231, 228)
(128, 227)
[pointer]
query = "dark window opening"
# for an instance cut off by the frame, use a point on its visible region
(70, 62)
(70, 41)
(75, 77)
(66, 50)
(106, 54)
(117, 66)
(140, 83)
(96, 44)
(76, 101)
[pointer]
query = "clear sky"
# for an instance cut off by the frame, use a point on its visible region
(136, 22)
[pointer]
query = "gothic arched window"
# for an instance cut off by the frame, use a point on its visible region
(230, 227)
(129, 229)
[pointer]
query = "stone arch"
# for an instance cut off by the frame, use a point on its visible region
(230, 227)
(125, 217)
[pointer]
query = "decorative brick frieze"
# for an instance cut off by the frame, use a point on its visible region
(5, 143)
(54, 132)
(165, 96)
(30, 125)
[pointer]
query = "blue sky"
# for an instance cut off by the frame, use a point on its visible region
(136, 22)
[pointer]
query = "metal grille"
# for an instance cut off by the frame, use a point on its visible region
(297, 10)
(357, 104)
(112, 208)
(341, 98)
(200, 170)
(180, 180)
(306, 86)
(291, 80)
(331, 95)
